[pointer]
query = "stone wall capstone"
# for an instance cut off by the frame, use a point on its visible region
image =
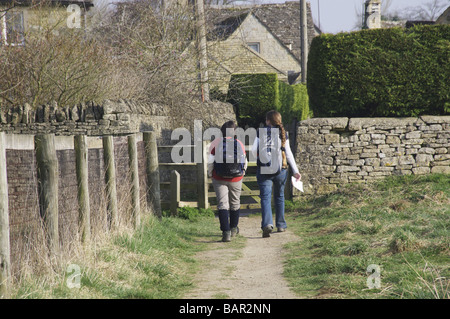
(107, 118)
(335, 151)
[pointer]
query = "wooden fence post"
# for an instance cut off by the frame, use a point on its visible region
(134, 170)
(202, 179)
(47, 174)
(5, 249)
(174, 192)
(152, 172)
(81, 162)
(110, 180)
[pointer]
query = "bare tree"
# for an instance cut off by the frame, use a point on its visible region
(8, 7)
(141, 50)
(154, 43)
(55, 63)
(429, 11)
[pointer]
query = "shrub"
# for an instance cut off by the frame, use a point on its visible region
(63, 68)
(294, 102)
(56, 63)
(132, 52)
(253, 95)
(382, 72)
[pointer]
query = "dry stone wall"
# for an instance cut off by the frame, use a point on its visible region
(109, 117)
(119, 117)
(335, 151)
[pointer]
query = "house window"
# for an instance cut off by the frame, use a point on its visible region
(12, 28)
(254, 46)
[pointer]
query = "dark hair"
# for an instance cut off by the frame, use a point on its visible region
(227, 125)
(274, 118)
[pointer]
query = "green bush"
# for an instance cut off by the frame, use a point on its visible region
(382, 72)
(253, 95)
(294, 102)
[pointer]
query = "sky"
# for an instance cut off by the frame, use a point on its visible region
(340, 15)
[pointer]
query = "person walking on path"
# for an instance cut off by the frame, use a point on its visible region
(273, 153)
(227, 164)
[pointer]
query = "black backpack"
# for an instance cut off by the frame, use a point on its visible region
(229, 164)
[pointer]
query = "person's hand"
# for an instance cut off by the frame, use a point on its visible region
(297, 176)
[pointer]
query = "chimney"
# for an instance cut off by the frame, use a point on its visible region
(372, 14)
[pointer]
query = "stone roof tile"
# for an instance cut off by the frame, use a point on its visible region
(282, 19)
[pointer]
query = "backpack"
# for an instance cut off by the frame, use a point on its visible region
(268, 151)
(229, 164)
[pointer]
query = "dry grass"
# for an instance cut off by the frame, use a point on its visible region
(399, 223)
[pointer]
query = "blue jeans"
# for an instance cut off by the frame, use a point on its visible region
(265, 182)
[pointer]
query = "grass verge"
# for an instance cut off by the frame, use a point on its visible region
(156, 261)
(399, 226)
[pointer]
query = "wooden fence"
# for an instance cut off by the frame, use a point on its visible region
(47, 182)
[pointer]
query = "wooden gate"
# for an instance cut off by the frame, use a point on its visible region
(203, 185)
(250, 191)
(175, 184)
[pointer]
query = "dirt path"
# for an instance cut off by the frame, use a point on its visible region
(253, 271)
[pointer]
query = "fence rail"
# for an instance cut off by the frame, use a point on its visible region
(202, 185)
(48, 175)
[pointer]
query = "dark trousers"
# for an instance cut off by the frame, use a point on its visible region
(228, 219)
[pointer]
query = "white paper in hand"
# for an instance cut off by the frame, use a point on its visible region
(297, 184)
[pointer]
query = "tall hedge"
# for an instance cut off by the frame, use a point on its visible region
(381, 72)
(294, 102)
(253, 95)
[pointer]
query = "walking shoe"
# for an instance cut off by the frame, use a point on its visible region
(267, 230)
(280, 230)
(226, 236)
(234, 231)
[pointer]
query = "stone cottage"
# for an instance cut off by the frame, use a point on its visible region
(255, 39)
(20, 17)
